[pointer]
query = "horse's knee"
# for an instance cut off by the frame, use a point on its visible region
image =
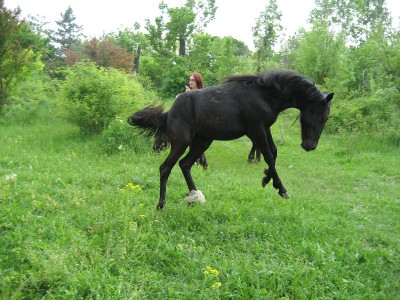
(184, 165)
(164, 171)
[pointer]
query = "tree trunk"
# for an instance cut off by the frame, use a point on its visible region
(2, 100)
(136, 60)
(182, 46)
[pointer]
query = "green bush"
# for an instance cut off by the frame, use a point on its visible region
(376, 114)
(119, 136)
(94, 96)
(31, 99)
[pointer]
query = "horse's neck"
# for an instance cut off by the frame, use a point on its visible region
(287, 102)
(294, 101)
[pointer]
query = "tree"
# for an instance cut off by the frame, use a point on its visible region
(17, 59)
(357, 19)
(131, 39)
(180, 27)
(106, 53)
(230, 57)
(266, 32)
(68, 32)
(319, 53)
(36, 35)
(134, 41)
(182, 21)
(9, 26)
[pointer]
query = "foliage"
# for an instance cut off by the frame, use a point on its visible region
(104, 52)
(215, 58)
(18, 60)
(376, 114)
(265, 33)
(319, 53)
(357, 20)
(130, 39)
(176, 25)
(93, 96)
(119, 137)
(68, 32)
(33, 36)
(31, 99)
(9, 27)
(229, 57)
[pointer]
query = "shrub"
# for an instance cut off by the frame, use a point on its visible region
(119, 136)
(376, 114)
(94, 96)
(31, 99)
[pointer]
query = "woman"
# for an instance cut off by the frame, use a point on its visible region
(196, 83)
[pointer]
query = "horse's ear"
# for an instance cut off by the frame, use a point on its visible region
(329, 97)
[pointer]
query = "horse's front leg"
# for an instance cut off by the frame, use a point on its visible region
(274, 150)
(269, 153)
(271, 173)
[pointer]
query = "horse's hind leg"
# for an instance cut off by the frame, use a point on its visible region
(250, 157)
(203, 161)
(258, 155)
(254, 155)
(198, 146)
(165, 170)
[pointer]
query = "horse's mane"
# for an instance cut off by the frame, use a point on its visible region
(288, 83)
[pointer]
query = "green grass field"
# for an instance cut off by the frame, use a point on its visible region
(76, 223)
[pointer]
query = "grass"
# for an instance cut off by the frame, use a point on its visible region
(76, 223)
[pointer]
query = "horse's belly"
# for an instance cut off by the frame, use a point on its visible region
(222, 132)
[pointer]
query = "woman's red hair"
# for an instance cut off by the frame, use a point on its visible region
(199, 80)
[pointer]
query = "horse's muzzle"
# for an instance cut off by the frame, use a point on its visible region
(308, 146)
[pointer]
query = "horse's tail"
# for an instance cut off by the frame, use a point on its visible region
(152, 121)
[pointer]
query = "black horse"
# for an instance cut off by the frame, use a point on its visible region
(243, 105)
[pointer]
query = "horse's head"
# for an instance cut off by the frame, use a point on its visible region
(313, 119)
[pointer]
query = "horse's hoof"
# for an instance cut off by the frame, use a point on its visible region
(160, 206)
(284, 195)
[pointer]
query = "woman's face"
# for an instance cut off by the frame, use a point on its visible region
(192, 83)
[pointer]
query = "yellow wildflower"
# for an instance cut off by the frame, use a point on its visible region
(217, 284)
(211, 271)
(131, 187)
